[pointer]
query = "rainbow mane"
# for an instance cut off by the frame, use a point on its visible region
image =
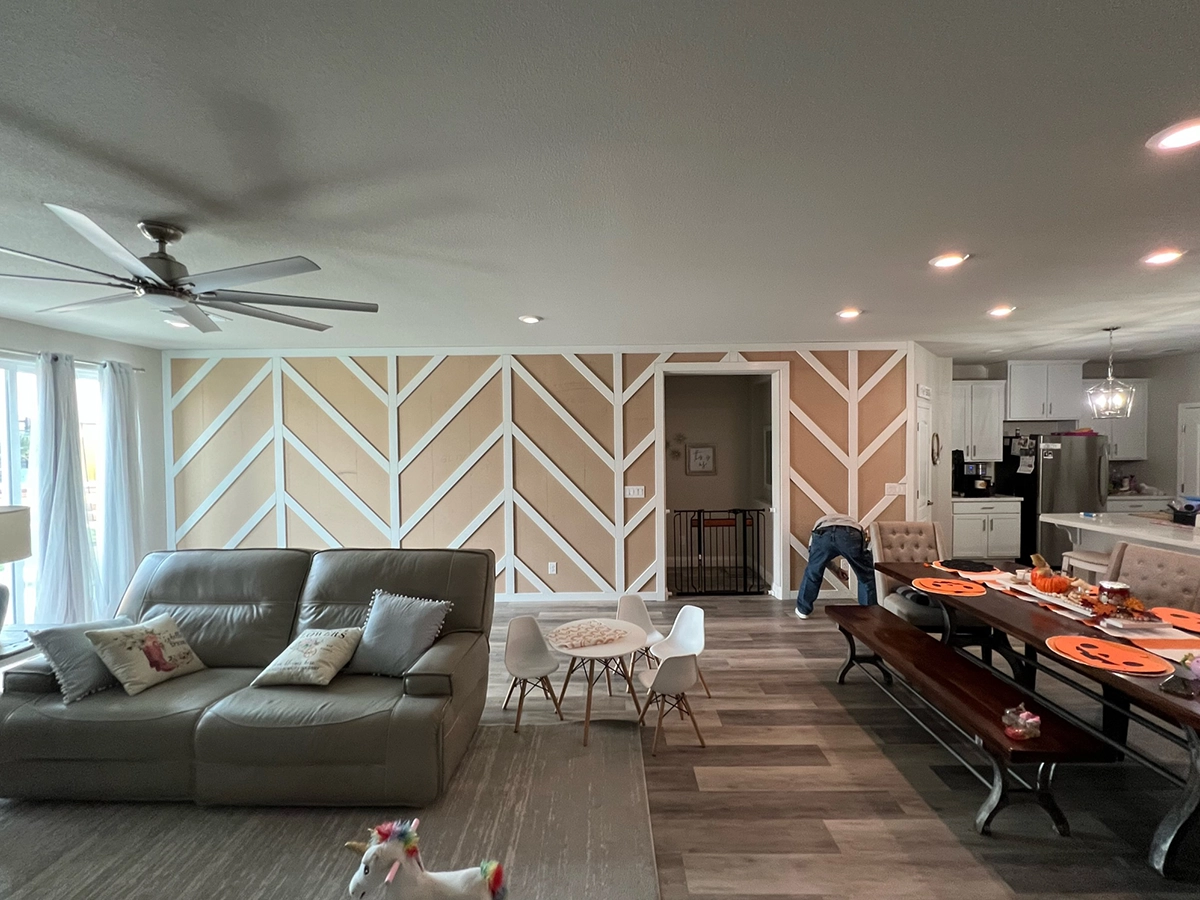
(493, 877)
(404, 832)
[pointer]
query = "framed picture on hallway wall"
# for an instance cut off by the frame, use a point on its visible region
(700, 459)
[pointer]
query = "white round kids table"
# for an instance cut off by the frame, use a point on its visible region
(611, 658)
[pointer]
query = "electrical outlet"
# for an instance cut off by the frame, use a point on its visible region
(893, 489)
(553, 568)
(633, 491)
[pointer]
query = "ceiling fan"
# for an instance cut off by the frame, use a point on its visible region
(166, 282)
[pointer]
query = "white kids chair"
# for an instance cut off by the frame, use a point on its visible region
(632, 609)
(668, 686)
(529, 661)
(686, 639)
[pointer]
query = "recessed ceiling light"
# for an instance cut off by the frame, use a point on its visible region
(849, 313)
(530, 320)
(999, 312)
(177, 323)
(949, 260)
(1179, 136)
(1163, 257)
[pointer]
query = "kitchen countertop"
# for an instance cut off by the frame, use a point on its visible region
(990, 499)
(1131, 527)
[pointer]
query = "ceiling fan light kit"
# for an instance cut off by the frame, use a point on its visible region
(166, 282)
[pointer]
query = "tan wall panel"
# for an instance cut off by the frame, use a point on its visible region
(640, 471)
(325, 438)
(893, 512)
(536, 550)
(445, 453)
(199, 408)
(870, 361)
(349, 396)
(639, 415)
(323, 502)
(563, 512)
(838, 364)
(523, 584)
(440, 391)
(407, 368)
(634, 364)
(247, 493)
(262, 535)
(554, 438)
(489, 535)
(300, 536)
(804, 514)
(640, 549)
(824, 405)
(819, 467)
(797, 570)
(375, 366)
(462, 503)
(651, 585)
(601, 364)
(575, 393)
(885, 401)
(500, 588)
(217, 458)
(696, 357)
(182, 370)
(887, 464)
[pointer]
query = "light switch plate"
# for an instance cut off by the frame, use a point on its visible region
(553, 568)
(893, 489)
(633, 491)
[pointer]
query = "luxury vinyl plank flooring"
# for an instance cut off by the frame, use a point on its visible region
(808, 789)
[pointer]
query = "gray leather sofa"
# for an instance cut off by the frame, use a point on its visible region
(209, 737)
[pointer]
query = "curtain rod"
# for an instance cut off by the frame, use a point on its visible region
(28, 355)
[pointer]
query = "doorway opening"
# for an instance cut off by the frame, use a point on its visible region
(720, 472)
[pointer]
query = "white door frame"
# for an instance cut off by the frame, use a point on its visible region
(780, 452)
(1180, 478)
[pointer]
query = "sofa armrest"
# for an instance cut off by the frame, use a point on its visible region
(454, 664)
(33, 677)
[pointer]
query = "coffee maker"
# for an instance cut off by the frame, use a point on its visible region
(970, 479)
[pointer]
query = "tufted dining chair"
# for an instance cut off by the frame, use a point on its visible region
(1157, 577)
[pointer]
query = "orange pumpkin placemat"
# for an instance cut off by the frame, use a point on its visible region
(1180, 618)
(951, 587)
(1108, 655)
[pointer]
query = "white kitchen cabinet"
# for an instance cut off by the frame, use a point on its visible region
(987, 527)
(970, 535)
(1045, 390)
(1127, 437)
(1004, 535)
(977, 420)
(1136, 503)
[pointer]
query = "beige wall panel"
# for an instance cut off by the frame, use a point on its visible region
(563, 512)
(407, 368)
(640, 471)
(886, 464)
(262, 535)
(210, 396)
(797, 570)
(639, 416)
(634, 364)
(825, 406)
(182, 370)
(696, 357)
(554, 438)
(523, 584)
(336, 449)
(575, 393)
(251, 489)
(640, 549)
(838, 364)
(885, 401)
(375, 366)
(804, 514)
(537, 551)
(440, 391)
(651, 585)
(870, 361)
(489, 535)
(349, 396)
(445, 453)
(300, 536)
(601, 364)
(222, 452)
(500, 583)
(462, 503)
(893, 512)
(818, 467)
(323, 502)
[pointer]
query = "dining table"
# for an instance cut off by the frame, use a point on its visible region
(609, 657)
(1123, 698)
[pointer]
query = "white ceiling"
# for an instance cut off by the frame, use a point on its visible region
(637, 173)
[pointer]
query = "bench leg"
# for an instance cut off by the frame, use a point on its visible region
(1003, 794)
(853, 659)
(997, 800)
(1045, 799)
(1182, 816)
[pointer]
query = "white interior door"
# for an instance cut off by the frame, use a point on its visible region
(1188, 475)
(924, 510)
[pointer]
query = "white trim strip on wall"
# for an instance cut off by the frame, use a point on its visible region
(510, 540)
(618, 414)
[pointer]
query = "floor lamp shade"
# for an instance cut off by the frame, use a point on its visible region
(15, 533)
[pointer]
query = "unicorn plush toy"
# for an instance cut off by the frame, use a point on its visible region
(391, 861)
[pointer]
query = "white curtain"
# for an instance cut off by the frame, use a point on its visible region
(66, 564)
(121, 504)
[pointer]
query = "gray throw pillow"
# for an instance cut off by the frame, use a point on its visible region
(397, 632)
(77, 665)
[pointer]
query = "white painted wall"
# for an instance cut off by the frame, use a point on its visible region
(939, 373)
(25, 337)
(1173, 380)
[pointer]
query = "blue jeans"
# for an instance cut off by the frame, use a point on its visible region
(826, 545)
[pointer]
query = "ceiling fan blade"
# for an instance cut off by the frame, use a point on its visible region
(58, 262)
(263, 271)
(88, 304)
(115, 284)
(288, 300)
(105, 243)
(267, 314)
(196, 317)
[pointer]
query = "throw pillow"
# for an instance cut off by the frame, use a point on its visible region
(143, 655)
(313, 658)
(397, 632)
(75, 662)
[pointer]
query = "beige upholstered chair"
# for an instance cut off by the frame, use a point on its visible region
(1157, 577)
(907, 542)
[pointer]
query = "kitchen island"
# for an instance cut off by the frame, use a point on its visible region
(1102, 531)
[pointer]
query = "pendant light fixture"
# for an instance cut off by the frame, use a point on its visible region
(1110, 399)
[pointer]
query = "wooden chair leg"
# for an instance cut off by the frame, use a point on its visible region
(510, 690)
(646, 707)
(662, 707)
(608, 678)
(691, 715)
(704, 683)
(549, 689)
(520, 706)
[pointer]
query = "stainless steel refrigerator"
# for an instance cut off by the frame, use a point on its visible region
(1069, 475)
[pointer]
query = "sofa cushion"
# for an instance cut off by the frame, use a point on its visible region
(341, 583)
(141, 656)
(156, 724)
(235, 607)
(313, 658)
(398, 631)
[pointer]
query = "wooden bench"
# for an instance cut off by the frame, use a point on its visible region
(972, 700)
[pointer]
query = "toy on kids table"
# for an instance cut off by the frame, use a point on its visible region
(391, 861)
